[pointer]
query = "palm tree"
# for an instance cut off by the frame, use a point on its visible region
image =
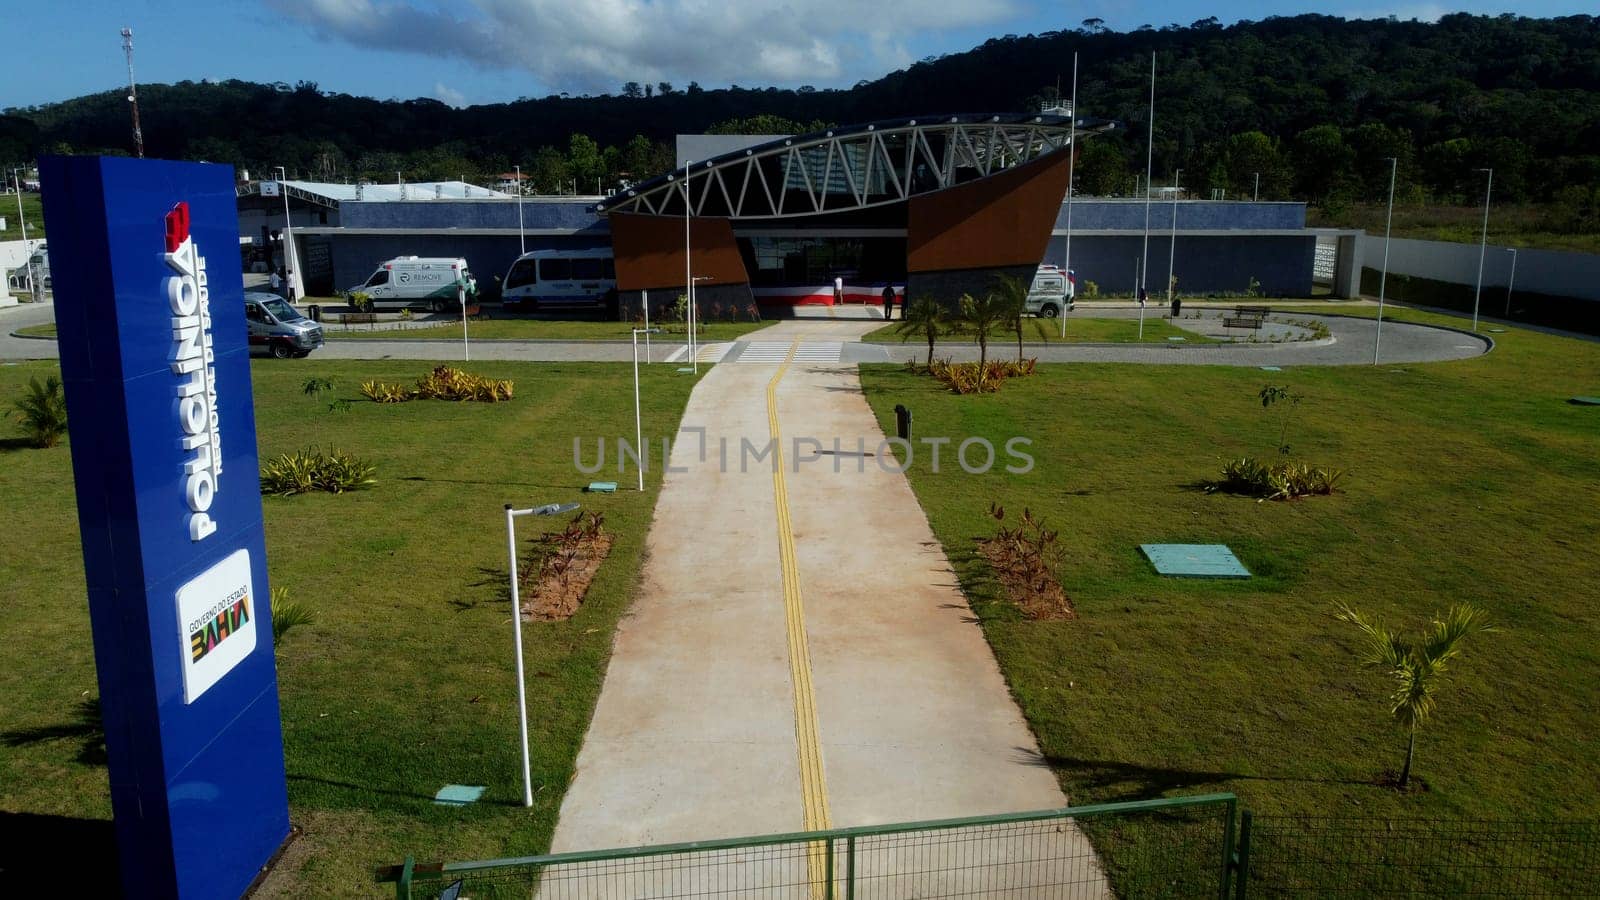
(1014, 295)
(982, 316)
(1417, 668)
(927, 317)
(43, 411)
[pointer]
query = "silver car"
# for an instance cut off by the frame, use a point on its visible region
(279, 328)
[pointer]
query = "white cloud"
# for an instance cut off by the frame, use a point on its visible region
(596, 45)
(1421, 12)
(449, 95)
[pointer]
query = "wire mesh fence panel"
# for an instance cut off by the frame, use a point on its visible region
(1293, 856)
(1171, 852)
(1164, 849)
(771, 872)
(1049, 858)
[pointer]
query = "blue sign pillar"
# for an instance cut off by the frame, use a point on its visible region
(150, 318)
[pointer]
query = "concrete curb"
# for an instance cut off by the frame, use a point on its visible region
(1488, 341)
(31, 337)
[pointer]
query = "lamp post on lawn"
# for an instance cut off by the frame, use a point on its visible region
(1383, 279)
(522, 236)
(688, 279)
(1172, 244)
(16, 176)
(1071, 160)
(1483, 244)
(516, 630)
(1512, 282)
(694, 321)
(1257, 197)
(288, 235)
(638, 426)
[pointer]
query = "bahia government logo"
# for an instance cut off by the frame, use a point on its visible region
(217, 622)
(193, 362)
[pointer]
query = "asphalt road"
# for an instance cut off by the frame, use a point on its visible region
(1351, 344)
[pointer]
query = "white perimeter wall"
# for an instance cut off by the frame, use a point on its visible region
(1555, 272)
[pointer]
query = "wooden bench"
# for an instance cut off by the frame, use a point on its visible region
(1247, 317)
(357, 318)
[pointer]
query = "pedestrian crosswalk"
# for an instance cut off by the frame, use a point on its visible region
(773, 352)
(709, 353)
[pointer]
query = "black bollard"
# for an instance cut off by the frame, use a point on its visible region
(902, 422)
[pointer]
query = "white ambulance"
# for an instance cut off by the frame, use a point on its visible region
(408, 281)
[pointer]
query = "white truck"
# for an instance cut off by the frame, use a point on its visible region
(408, 281)
(1052, 292)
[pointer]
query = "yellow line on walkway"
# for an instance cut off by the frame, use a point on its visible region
(813, 781)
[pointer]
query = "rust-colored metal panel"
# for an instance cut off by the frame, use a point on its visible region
(1002, 220)
(649, 251)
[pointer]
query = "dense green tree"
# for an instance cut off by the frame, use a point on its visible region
(1322, 162)
(1101, 169)
(1336, 96)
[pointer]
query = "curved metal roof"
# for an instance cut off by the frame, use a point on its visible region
(854, 167)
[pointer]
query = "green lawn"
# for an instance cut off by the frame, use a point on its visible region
(1470, 481)
(1048, 331)
(32, 207)
(48, 329)
(404, 681)
(550, 330)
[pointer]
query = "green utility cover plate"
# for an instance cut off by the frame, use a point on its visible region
(1194, 560)
(458, 794)
(1585, 401)
(602, 487)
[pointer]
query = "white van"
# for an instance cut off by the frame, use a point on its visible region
(407, 281)
(545, 279)
(1052, 291)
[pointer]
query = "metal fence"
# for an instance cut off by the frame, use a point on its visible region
(1317, 856)
(1172, 848)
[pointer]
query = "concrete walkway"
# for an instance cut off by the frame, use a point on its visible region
(800, 655)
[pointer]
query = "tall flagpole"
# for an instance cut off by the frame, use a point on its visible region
(1149, 159)
(1071, 162)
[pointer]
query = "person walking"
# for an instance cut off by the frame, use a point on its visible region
(838, 290)
(888, 302)
(275, 282)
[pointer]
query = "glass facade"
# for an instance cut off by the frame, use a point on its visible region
(815, 261)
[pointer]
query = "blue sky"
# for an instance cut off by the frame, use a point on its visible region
(477, 51)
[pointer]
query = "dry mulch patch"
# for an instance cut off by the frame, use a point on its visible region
(1040, 598)
(1024, 559)
(554, 588)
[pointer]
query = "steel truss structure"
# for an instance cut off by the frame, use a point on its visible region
(852, 168)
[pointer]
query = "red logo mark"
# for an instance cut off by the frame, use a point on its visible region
(177, 226)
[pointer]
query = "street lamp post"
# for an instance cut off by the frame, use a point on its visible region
(638, 422)
(516, 631)
(28, 276)
(1512, 282)
(522, 236)
(1071, 161)
(1383, 279)
(688, 279)
(1149, 158)
(1257, 196)
(288, 234)
(694, 320)
(1483, 244)
(1172, 244)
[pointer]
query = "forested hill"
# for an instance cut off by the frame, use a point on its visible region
(1313, 103)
